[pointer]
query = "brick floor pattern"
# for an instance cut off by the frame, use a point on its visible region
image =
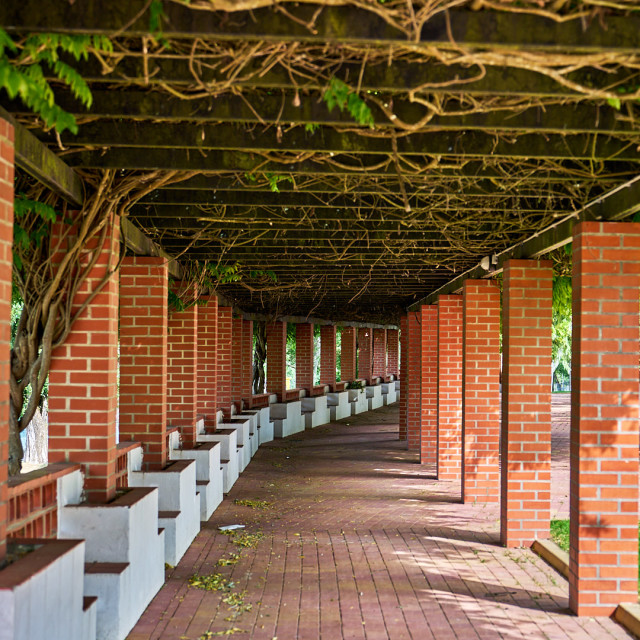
(363, 543)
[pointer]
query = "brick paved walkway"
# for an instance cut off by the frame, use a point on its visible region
(362, 543)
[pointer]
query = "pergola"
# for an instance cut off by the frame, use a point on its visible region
(363, 163)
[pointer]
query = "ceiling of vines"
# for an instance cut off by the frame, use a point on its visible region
(349, 157)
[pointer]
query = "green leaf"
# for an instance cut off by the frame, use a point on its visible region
(615, 103)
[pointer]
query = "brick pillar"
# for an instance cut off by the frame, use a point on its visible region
(603, 563)
(429, 384)
(413, 381)
(379, 353)
(225, 332)
(328, 355)
(392, 352)
(526, 402)
(402, 372)
(348, 354)
(449, 387)
(6, 260)
(237, 371)
(143, 356)
(481, 392)
(83, 378)
(208, 357)
(247, 362)
(182, 378)
(277, 358)
(304, 356)
(365, 353)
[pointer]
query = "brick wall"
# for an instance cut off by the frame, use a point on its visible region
(304, 356)
(247, 362)
(429, 383)
(237, 371)
(413, 381)
(6, 240)
(526, 402)
(365, 353)
(449, 387)
(380, 352)
(328, 355)
(182, 373)
(143, 355)
(481, 392)
(603, 562)
(276, 358)
(83, 376)
(208, 357)
(392, 352)
(348, 354)
(402, 372)
(225, 333)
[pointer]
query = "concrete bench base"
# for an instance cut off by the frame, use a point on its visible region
(228, 440)
(374, 397)
(339, 405)
(287, 418)
(358, 400)
(315, 411)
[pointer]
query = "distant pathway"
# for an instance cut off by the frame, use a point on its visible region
(362, 543)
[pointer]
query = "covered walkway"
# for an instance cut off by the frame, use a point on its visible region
(361, 542)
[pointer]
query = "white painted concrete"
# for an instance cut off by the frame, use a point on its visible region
(244, 435)
(389, 395)
(122, 531)
(41, 595)
(265, 433)
(338, 404)
(178, 504)
(316, 411)
(358, 400)
(374, 397)
(253, 430)
(228, 440)
(397, 383)
(287, 418)
(209, 475)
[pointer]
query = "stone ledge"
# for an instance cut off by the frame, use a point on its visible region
(628, 615)
(553, 555)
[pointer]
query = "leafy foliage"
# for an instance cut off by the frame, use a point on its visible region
(341, 95)
(25, 64)
(32, 220)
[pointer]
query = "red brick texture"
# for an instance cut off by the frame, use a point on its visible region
(392, 352)
(328, 355)
(402, 372)
(348, 354)
(379, 353)
(208, 357)
(6, 261)
(83, 377)
(247, 362)
(225, 332)
(276, 359)
(182, 373)
(429, 383)
(603, 562)
(413, 381)
(143, 355)
(526, 402)
(481, 392)
(365, 353)
(237, 372)
(449, 387)
(304, 356)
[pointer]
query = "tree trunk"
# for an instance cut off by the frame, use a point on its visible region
(260, 357)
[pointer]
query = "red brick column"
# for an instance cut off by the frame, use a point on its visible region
(6, 261)
(247, 362)
(449, 387)
(208, 357)
(304, 356)
(481, 392)
(348, 354)
(379, 353)
(413, 381)
(277, 358)
(182, 369)
(429, 383)
(392, 352)
(402, 372)
(328, 355)
(237, 370)
(143, 355)
(83, 379)
(225, 332)
(526, 402)
(603, 563)
(365, 353)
